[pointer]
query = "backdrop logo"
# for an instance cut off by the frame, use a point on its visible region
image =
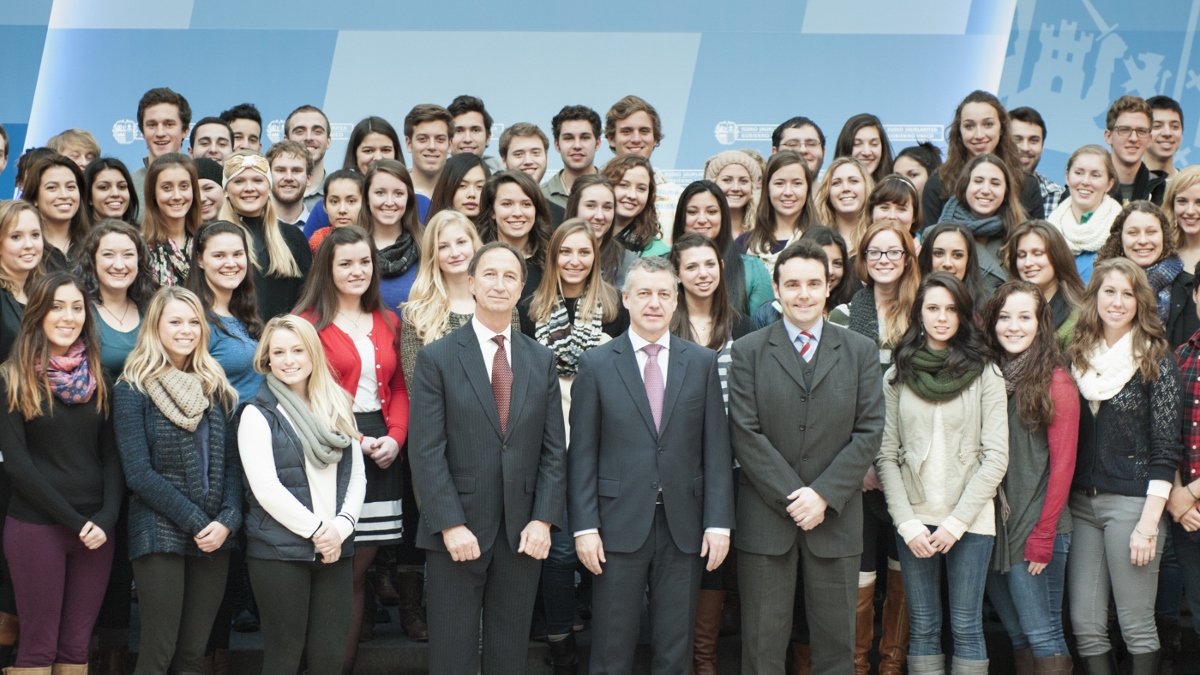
(340, 131)
(126, 132)
(915, 133)
(728, 133)
(275, 130)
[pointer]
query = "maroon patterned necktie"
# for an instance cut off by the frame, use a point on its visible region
(502, 379)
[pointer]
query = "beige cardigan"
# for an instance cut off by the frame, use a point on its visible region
(975, 427)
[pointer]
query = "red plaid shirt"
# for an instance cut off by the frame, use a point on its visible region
(1188, 356)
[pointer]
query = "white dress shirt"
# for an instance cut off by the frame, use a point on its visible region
(489, 347)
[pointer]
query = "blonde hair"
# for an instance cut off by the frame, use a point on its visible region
(282, 263)
(329, 402)
(149, 359)
(77, 137)
(427, 311)
(597, 293)
(1180, 182)
(10, 214)
(824, 212)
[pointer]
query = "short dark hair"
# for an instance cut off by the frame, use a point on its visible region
(572, 113)
(1161, 102)
(805, 249)
(288, 147)
(243, 111)
(521, 130)
(464, 104)
(491, 246)
(210, 120)
(796, 123)
(1028, 116)
(428, 112)
(1126, 104)
(626, 107)
(305, 108)
(928, 155)
(164, 95)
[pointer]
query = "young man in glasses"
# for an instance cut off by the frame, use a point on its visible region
(1127, 133)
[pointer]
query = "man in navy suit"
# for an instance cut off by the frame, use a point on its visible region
(650, 476)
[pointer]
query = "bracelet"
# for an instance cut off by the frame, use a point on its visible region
(1188, 487)
(1143, 534)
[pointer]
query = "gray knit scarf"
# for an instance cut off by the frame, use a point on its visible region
(322, 446)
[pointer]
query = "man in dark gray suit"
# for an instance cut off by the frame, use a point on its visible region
(486, 446)
(806, 419)
(650, 476)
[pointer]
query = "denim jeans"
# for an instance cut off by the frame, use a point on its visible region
(558, 582)
(1187, 550)
(966, 574)
(1031, 606)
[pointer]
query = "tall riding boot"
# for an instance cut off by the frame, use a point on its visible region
(864, 628)
(1100, 664)
(1023, 660)
(1060, 664)
(411, 586)
(708, 628)
(801, 659)
(69, 669)
(893, 644)
(1144, 664)
(564, 656)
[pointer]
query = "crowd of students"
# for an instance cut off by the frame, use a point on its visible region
(208, 365)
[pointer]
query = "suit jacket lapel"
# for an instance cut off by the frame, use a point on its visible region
(471, 357)
(829, 350)
(521, 367)
(785, 353)
(676, 370)
(627, 367)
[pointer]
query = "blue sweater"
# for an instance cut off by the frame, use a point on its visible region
(233, 348)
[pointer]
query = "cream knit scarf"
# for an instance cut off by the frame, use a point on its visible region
(1108, 371)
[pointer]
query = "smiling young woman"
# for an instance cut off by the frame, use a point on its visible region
(514, 211)
(54, 185)
(1037, 252)
(172, 216)
(1142, 233)
(390, 216)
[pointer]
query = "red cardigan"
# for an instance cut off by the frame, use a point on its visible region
(346, 367)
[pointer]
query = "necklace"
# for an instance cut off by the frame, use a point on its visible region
(353, 321)
(120, 319)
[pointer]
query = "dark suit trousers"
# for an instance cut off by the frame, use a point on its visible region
(502, 584)
(674, 579)
(767, 585)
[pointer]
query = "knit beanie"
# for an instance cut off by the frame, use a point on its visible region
(719, 161)
(210, 169)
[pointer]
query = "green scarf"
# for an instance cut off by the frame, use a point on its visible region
(930, 380)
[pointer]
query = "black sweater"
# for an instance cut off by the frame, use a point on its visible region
(278, 295)
(63, 465)
(1134, 437)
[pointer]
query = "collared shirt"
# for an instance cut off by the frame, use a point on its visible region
(1051, 192)
(642, 357)
(794, 332)
(1188, 356)
(489, 347)
(554, 189)
(299, 222)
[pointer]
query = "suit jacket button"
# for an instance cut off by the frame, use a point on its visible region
(801, 427)
(655, 485)
(804, 458)
(660, 450)
(803, 399)
(778, 501)
(504, 447)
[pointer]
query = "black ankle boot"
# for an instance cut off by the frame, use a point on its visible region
(564, 656)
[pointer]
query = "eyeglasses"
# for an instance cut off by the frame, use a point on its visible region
(1124, 132)
(893, 254)
(810, 144)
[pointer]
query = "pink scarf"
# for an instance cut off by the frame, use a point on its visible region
(70, 377)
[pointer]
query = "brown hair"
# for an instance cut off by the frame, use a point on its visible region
(896, 189)
(320, 295)
(957, 154)
(1010, 212)
(626, 107)
(1113, 247)
(410, 222)
(1125, 104)
(644, 227)
(1150, 344)
(823, 210)
(154, 225)
(32, 186)
(1097, 150)
(597, 291)
(521, 130)
(722, 310)
(539, 234)
(896, 315)
(1070, 284)
(290, 147)
(1035, 405)
(762, 237)
(427, 112)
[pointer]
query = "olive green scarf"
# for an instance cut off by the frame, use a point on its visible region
(930, 379)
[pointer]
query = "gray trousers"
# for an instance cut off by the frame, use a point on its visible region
(1099, 565)
(767, 584)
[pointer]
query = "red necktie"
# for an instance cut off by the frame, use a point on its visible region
(502, 379)
(806, 345)
(653, 379)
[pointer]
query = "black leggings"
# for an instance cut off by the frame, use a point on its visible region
(299, 600)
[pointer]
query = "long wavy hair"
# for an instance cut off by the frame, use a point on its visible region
(973, 275)
(722, 312)
(320, 294)
(1035, 405)
(450, 178)
(143, 286)
(957, 153)
(410, 222)
(328, 401)
(427, 312)
(644, 227)
(243, 303)
(154, 223)
(1150, 344)
(610, 253)
(844, 147)
(596, 293)
(1070, 284)
(823, 209)
(539, 233)
(149, 359)
(762, 237)
(735, 271)
(1011, 212)
(896, 315)
(25, 380)
(281, 262)
(32, 187)
(1113, 248)
(10, 215)
(93, 170)
(966, 346)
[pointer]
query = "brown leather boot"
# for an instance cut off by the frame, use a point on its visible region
(864, 629)
(708, 628)
(801, 659)
(381, 581)
(1052, 665)
(44, 670)
(893, 644)
(366, 631)
(411, 586)
(69, 669)
(1023, 661)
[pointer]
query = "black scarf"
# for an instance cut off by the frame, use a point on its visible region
(396, 259)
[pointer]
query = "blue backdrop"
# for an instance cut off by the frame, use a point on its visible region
(721, 74)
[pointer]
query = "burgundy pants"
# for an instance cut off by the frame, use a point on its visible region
(60, 586)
